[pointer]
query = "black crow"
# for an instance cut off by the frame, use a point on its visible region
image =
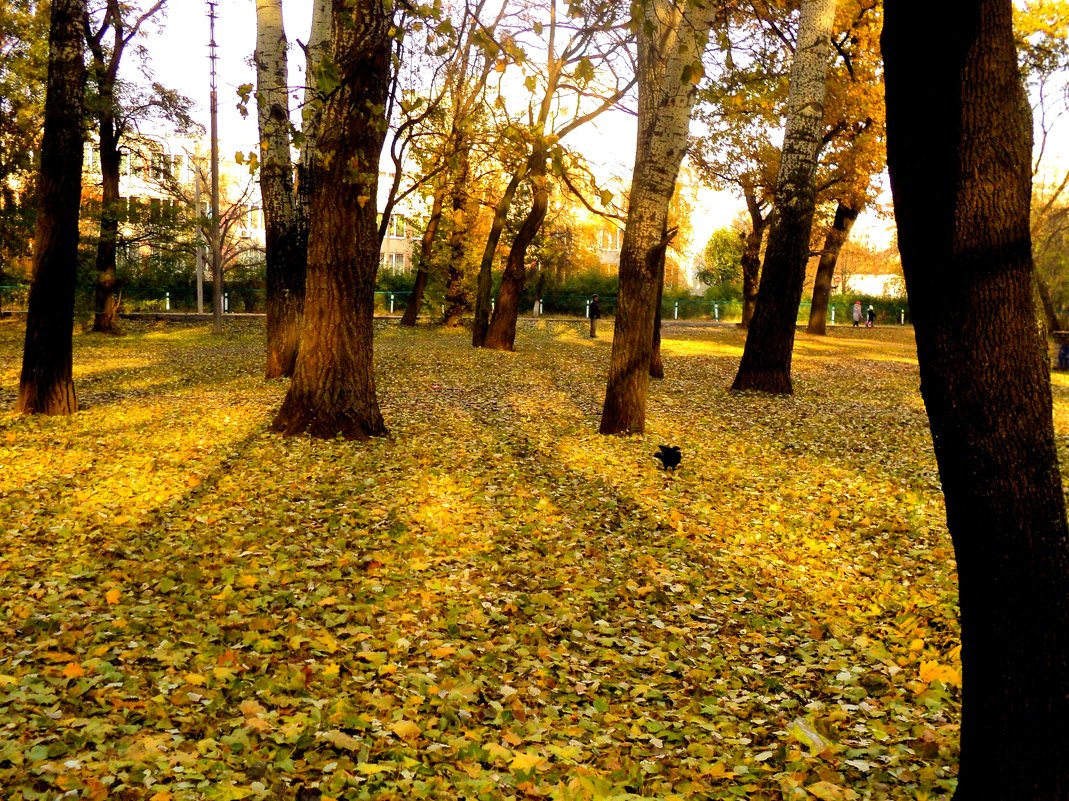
(669, 455)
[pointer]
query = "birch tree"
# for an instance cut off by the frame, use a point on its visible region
(671, 37)
(766, 358)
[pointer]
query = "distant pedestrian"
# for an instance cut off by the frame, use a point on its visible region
(857, 313)
(870, 319)
(595, 313)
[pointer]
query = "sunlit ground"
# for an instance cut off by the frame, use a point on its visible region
(493, 602)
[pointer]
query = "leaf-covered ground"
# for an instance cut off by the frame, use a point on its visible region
(495, 602)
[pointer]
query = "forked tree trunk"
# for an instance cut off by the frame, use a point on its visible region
(501, 335)
(285, 241)
(426, 246)
(671, 42)
(751, 254)
(486, 265)
(959, 148)
(766, 358)
(333, 388)
(829, 256)
(46, 385)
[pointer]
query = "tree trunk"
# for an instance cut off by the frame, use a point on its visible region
(671, 42)
(751, 254)
(105, 320)
(426, 245)
(286, 247)
(959, 148)
(486, 266)
(833, 243)
(46, 385)
(1054, 322)
(501, 335)
(333, 388)
(766, 358)
(656, 364)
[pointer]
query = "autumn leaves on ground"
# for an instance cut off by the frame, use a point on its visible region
(496, 601)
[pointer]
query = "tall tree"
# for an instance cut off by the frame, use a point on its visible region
(46, 385)
(582, 77)
(108, 41)
(838, 232)
(766, 358)
(671, 37)
(333, 387)
(285, 232)
(959, 150)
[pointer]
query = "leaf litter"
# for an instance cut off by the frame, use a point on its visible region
(493, 602)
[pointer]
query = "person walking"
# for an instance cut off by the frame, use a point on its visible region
(857, 313)
(870, 320)
(595, 313)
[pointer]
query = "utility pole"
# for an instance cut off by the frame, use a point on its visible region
(217, 256)
(200, 235)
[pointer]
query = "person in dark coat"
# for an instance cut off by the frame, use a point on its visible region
(595, 315)
(870, 319)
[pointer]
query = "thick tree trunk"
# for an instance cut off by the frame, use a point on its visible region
(486, 266)
(501, 335)
(333, 388)
(46, 385)
(833, 244)
(426, 245)
(105, 320)
(671, 41)
(958, 132)
(751, 254)
(286, 242)
(766, 358)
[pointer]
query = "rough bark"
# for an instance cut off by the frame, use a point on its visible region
(285, 246)
(501, 334)
(333, 387)
(958, 132)
(834, 240)
(766, 358)
(46, 385)
(751, 253)
(656, 363)
(426, 245)
(670, 45)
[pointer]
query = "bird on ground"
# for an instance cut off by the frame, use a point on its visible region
(669, 455)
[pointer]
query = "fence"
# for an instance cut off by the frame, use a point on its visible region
(253, 299)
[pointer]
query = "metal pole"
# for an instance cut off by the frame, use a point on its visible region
(200, 240)
(217, 250)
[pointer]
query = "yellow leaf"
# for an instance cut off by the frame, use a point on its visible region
(112, 596)
(826, 791)
(247, 581)
(73, 670)
(196, 679)
(405, 729)
(7, 681)
(443, 651)
(330, 670)
(162, 795)
(370, 768)
(526, 761)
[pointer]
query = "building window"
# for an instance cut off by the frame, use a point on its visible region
(611, 237)
(398, 227)
(394, 262)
